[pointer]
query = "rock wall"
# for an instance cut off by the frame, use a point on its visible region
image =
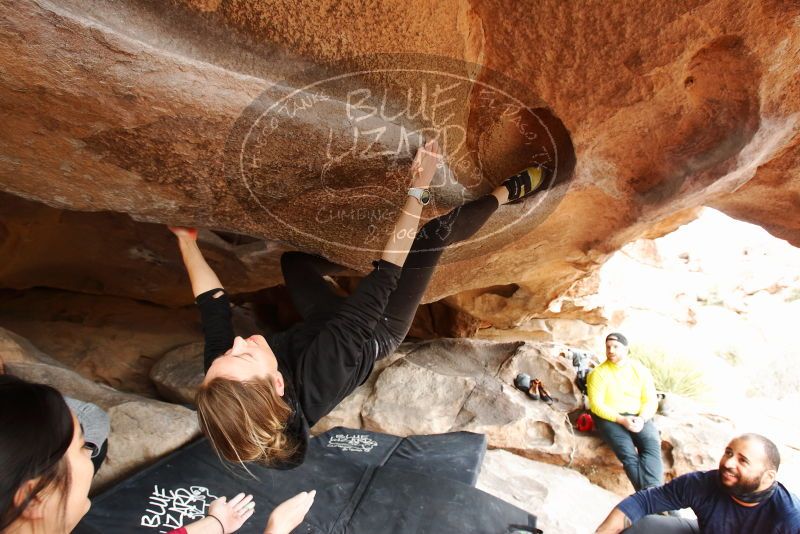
(130, 108)
(448, 385)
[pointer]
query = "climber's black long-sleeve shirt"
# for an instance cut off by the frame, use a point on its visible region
(321, 361)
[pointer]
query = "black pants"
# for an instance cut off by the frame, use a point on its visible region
(313, 296)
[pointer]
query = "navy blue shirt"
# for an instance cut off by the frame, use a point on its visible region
(716, 511)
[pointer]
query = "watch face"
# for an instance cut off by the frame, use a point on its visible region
(425, 196)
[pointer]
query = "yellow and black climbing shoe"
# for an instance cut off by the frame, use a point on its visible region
(528, 182)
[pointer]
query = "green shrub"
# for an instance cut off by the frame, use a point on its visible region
(793, 295)
(731, 355)
(712, 298)
(671, 373)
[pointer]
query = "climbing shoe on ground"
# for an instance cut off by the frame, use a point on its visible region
(523, 383)
(542, 392)
(530, 181)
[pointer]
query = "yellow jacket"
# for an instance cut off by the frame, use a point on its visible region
(617, 389)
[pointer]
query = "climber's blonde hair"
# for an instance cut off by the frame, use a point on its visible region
(245, 421)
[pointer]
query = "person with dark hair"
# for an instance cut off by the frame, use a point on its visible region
(259, 397)
(94, 423)
(46, 471)
(623, 401)
(773, 456)
(742, 495)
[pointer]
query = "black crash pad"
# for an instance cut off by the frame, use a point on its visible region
(366, 482)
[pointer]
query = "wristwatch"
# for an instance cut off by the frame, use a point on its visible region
(421, 194)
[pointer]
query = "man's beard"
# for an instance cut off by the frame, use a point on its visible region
(743, 486)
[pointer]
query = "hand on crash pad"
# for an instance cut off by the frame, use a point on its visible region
(287, 515)
(232, 514)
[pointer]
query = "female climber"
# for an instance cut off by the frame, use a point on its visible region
(47, 471)
(260, 396)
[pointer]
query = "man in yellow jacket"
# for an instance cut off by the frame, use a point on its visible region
(623, 401)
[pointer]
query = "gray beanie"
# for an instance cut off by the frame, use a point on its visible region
(616, 336)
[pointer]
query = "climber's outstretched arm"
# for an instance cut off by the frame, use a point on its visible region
(405, 229)
(201, 275)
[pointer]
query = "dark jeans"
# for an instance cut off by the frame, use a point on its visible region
(640, 453)
(658, 524)
(313, 296)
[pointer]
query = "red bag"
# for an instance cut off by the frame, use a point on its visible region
(585, 423)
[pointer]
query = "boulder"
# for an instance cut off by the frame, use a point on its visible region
(692, 439)
(179, 373)
(225, 116)
(106, 339)
(448, 385)
(563, 501)
(454, 384)
(107, 253)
